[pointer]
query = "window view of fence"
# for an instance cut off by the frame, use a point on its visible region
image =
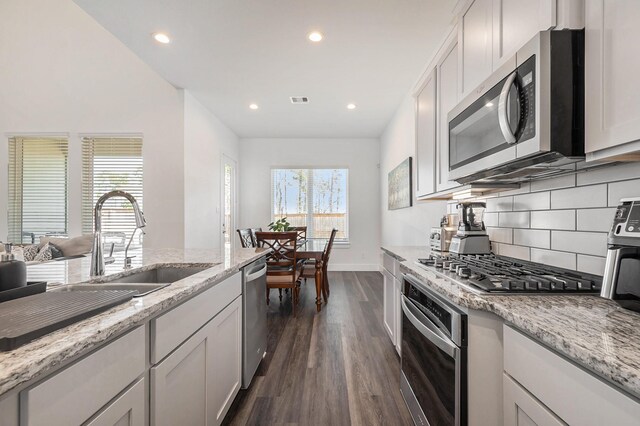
(315, 198)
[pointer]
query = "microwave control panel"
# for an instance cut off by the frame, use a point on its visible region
(626, 222)
(527, 87)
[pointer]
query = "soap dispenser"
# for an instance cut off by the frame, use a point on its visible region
(13, 273)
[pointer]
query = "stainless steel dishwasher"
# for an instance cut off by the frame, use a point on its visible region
(254, 318)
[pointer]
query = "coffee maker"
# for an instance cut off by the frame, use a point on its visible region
(471, 237)
(622, 267)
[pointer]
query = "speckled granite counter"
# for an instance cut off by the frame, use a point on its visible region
(593, 332)
(44, 354)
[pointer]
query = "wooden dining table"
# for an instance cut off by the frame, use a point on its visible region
(313, 248)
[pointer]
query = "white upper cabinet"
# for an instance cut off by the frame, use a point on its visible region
(515, 22)
(426, 137)
(612, 88)
(475, 36)
(448, 96)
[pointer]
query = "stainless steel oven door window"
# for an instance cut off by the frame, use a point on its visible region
(433, 368)
(487, 126)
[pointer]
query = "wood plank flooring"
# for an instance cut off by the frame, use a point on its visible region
(337, 367)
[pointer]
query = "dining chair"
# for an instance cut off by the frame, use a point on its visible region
(301, 231)
(253, 235)
(309, 269)
(246, 238)
(283, 268)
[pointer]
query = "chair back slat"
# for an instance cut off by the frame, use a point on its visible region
(282, 259)
(246, 238)
(329, 246)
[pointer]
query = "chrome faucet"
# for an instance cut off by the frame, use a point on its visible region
(97, 257)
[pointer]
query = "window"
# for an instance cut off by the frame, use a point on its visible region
(315, 198)
(37, 188)
(109, 164)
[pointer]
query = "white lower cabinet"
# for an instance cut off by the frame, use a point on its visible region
(398, 312)
(196, 383)
(126, 410)
(389, 319)
(522, 409)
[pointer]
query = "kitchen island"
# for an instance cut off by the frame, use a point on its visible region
(585, 333)
(30, 363)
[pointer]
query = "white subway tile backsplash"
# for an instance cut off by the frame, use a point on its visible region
(554, 219)
(596, 220)
(532, 238)
(609, 174)
(514, 219)
(581, 197)
(594, 243)
(500, 235)
(519, 252)
(524, 188)
(534, 201)
(500, 204)
(624, 189)
(554, 258)
(491, 219)
(591, 264)
(568, 181)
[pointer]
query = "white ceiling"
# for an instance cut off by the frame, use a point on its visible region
(230, 53)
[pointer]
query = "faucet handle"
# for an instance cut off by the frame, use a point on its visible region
(127, 262)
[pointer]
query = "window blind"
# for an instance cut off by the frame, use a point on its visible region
(112, 164)
(37, 188)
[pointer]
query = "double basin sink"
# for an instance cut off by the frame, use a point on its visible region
(143, 282)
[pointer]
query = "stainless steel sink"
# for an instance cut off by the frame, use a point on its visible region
(161, 275)
(142, 288)
(144, 282)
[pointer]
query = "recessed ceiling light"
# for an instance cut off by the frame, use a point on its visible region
(253, 106)
(351, 106)
(162, 38)
(315, 36)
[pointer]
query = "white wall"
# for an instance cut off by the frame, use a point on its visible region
(408, 226)
(62, 73)
(361, 156)
(206, 139)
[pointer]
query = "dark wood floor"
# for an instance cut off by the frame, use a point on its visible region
(337, 367)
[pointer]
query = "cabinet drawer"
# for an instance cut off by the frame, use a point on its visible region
(78, 392)
(127, 410)
(576, 396)
(390, 264)
(171, 329)
(521, 408)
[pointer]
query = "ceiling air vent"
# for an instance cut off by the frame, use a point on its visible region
(299, 100)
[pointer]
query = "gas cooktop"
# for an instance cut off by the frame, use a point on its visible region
(492, 274)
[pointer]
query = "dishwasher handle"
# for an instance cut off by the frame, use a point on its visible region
(257, 274)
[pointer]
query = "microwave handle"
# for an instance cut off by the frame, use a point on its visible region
(503, 118)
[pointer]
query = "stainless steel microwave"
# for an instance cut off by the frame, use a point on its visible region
(526, 120)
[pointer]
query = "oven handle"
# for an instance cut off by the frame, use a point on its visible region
(503, 118)
(424, 327)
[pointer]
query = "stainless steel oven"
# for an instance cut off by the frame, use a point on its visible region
(527, 119)
(434, 357)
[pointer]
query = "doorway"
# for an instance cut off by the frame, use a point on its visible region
(229, 197)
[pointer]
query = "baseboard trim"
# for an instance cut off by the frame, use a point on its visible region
(358, 267)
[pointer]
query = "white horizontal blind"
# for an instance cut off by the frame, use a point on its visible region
(315, 198)
(112, 164)
(37, 188)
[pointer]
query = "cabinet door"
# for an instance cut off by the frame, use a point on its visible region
(397, 291)
(426, 137)
(515, 22)
(388, 298)
(127, 410)
(197, 382)
(612, 89)
(522, 409)
(448, 95)
(475, 35)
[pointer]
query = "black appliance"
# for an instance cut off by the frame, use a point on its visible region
(493, 274)
(622, 268)
(433, 378)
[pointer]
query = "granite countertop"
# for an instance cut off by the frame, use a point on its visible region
(41, 355)
(593, 332)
